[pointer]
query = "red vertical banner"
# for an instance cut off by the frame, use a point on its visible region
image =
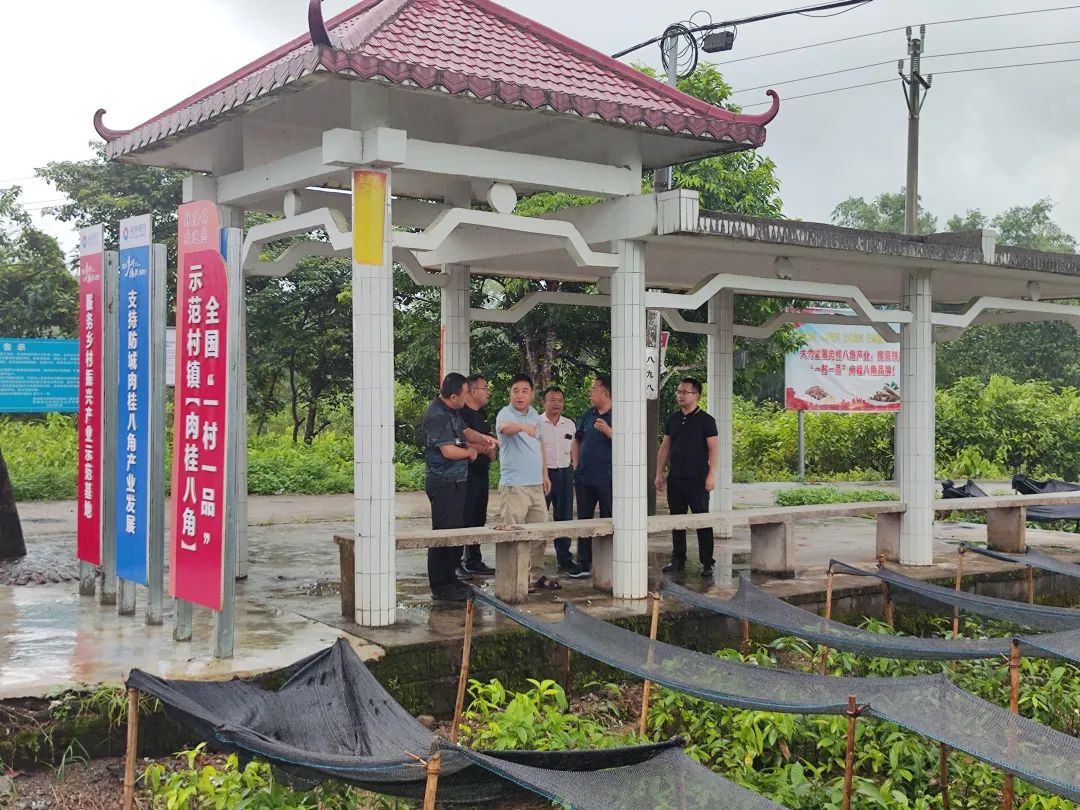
(200, 426)
(92, 314)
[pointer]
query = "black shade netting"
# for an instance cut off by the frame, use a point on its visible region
(1038, 617)
(930, 705)
(1065, 645)
(949, 489)
(755, 605)
(1033, 558)
(1025, 486)
(670, 780)
(333, 719)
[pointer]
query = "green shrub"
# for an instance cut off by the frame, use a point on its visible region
(41, 456)
(804, 496)
(197, 783)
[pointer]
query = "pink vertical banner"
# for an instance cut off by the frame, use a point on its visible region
(92, 316)
(200, 426)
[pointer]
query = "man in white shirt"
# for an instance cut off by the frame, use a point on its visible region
(560, 454)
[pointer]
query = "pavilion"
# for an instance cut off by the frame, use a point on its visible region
(422, 108)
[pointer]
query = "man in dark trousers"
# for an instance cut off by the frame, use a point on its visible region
(592, 479)
(560, 454)
(447, 455)
(476, 489)
(689, 452)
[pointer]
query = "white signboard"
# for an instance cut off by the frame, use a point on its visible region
(652, 354)
(840, 367)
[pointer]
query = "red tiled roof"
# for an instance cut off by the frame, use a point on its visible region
(463, 47)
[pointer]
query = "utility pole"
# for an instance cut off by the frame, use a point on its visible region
(915, 89)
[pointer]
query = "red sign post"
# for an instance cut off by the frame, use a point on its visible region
(92, 315)
(200, 427)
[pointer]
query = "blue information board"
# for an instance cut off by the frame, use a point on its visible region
(39, 375)
(133, 401)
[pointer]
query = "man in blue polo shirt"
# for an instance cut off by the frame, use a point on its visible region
(523, 475)
(592, 479)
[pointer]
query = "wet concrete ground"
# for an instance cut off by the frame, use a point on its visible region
(289, 606)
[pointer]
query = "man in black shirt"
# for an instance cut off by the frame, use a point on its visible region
(477, 485)
(447, 455)
(690, 446)
(592, 479)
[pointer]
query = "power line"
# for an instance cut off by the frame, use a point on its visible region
(1002, 67)
(936, 73)
(890, 61)
(729, 23)
(824, 92)
(898, 28)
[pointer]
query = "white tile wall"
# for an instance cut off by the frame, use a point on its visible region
(455, 320)
(917, 482)
(720, 380)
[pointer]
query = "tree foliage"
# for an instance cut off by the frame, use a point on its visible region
(886, 212)
(38, 294)
(1026, 226)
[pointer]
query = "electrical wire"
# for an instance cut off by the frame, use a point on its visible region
(834, 14)
(824, 92)
(897, 28)
(936, 73)
(925, 56)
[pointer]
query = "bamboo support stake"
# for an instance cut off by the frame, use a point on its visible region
(849, 753)
(1031, 585)
(828, 617)
(132, 753)
(943, 775)
(643, 723)
(1014, 706)
(744, 648)
(432, 784)
(956, 608)
(463, 676)
(566, 671)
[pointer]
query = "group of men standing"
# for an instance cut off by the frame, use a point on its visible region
(546, 460)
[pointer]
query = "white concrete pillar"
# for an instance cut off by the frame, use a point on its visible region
(630, 573)
(917, 423)
(373, 398)
(720, 379)
(454, 349)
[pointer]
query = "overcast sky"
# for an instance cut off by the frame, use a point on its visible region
(990, 139)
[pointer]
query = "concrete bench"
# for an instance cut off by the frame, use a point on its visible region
(772, 529)
(511, 552)
(1006, 520)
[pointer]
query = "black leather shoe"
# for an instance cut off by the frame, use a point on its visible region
(707, 571)
(478, 568)
(462, 573)
(675, 566)
(450, 593)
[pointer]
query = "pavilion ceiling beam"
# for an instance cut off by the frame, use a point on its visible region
(880, 319)
(523, 307)
(428, 245)
(292, 172)
(766, 330)
(990, 309)
(382, 146)
(329, 219)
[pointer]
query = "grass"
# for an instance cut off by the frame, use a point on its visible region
(806, 496)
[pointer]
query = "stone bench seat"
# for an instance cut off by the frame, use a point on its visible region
(772, 541)
(1006, 522)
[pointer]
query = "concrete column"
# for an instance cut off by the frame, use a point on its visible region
(630, 572)
(917, 423)
(720, 380)
(373, 398)
(454, 349)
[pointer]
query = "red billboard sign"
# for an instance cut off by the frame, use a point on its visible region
(92, 314)
(200, 426)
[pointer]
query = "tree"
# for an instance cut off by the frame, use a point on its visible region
(884, 213)
(39, 296)
(1043, 350)
(1026, 226)
(102, 191)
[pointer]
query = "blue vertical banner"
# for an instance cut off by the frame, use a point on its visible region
(133, 442)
